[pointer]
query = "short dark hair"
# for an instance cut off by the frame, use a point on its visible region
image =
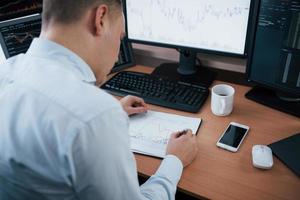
(68, 11)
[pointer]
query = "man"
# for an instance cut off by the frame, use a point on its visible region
(61, 137)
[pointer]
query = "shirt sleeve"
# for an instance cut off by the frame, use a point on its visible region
(163, 184)
(105, 168)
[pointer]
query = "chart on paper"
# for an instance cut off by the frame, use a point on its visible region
(150, 132)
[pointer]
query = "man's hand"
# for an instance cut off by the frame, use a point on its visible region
(133, 105)
(184, 146)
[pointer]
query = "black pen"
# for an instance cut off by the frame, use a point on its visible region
(183, 132)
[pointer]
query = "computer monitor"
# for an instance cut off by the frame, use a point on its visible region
(17, 34)
(191, 26)
(10, 9)
(274, 62)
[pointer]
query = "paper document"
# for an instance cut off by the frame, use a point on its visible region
(150, 132)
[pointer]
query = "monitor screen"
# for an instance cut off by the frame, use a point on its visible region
(18, 8)
(213, 25)
(275, 61)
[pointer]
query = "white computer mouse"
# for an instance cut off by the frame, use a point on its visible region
(262, 157)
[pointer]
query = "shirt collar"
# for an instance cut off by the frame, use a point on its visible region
(46, 48)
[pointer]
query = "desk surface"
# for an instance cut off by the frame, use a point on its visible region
(220, 174)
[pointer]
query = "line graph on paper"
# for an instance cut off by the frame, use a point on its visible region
(208, 24)
(156, 127)
(153, 131)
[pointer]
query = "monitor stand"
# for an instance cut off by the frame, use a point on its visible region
(186, 70)
(271, 98)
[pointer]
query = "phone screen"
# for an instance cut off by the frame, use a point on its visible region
(233, 136)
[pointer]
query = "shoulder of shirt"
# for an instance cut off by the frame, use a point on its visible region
(90, 102)
(82, 100)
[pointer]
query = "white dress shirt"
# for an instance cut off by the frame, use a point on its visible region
(61, 137)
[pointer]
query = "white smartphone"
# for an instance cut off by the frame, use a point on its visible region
(233, 136)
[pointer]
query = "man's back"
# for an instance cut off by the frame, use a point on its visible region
(45, 101)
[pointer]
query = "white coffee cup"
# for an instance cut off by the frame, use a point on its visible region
(222, 99)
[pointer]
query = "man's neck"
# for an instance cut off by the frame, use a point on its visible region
(75, 39)
(68, 37)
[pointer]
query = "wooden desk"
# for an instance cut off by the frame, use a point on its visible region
(220, 174)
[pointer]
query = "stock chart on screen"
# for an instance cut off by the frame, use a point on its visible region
(205, 24)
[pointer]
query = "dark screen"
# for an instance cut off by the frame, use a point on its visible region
(276, 55)
(18, 8)
(233, 136)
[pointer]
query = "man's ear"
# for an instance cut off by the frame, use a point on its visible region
(101, 19)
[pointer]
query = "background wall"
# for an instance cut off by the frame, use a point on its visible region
(153, 56)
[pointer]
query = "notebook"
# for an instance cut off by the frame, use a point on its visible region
(288, 151)
(150, 132)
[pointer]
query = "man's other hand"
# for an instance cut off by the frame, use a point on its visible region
(133, 105)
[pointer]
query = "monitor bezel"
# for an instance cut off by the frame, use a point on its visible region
(268, 85)
(200, 50)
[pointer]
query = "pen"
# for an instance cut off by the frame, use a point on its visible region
(183, 132)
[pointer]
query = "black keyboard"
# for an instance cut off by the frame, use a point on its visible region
(159, 91)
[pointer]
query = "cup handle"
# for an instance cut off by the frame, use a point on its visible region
(223, 105)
